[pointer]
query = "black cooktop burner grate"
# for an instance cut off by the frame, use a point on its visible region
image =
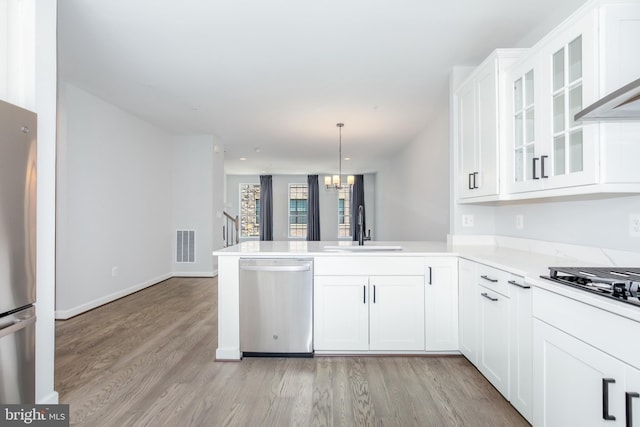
(619, 283)
(611, 273)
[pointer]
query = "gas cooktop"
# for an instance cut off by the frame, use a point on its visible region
(619, 283)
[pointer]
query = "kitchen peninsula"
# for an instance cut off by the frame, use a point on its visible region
(341, 270)
(482, 297)
(434, 263)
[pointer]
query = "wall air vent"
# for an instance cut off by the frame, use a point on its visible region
(186, 246)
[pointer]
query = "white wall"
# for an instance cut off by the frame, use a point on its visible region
(328, 203)
(412, 189)
(197, 199)
(28, 74)
(114, 203)
(598, 222)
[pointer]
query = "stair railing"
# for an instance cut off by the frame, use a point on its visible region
(231, 230)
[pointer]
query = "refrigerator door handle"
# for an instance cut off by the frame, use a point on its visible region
(16, 326)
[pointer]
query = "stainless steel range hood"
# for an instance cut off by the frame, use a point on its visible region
(622, 104)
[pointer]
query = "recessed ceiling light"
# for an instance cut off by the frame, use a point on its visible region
(243, 158)
(257, 149)
(347, 158)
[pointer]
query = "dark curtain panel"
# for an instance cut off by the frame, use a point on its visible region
(357, 199)
(313, 218)
(266, 208)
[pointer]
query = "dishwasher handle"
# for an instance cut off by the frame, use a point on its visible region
(276, 268)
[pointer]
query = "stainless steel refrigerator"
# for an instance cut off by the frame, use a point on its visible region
(17, 254)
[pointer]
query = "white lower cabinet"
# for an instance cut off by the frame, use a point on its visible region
(575, 383)
(341, 313)
(585, 367)
(396, 313)
(493, 338)
(632, 397)
(467, 299)
(495, 333)
(521, 346)
(441, 304)
(360, 313)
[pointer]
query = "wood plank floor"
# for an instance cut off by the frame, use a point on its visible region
(148, 360)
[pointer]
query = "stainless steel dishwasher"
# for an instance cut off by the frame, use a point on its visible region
(276, 307)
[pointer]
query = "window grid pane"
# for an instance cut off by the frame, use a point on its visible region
(298, 210)
(249, 210)
(344, 212)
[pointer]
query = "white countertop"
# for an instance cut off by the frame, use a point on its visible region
(529, 265)
(302, 247)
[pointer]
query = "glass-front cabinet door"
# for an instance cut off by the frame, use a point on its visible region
(524, 130)
(567, 156)
(568, 145)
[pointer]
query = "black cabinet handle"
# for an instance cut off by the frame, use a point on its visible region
(374, 294)
(364, 294)
(489, 279)
(542, 159)
(484, 294)
(513, 282)
(629, 406)
(470, 185)
(430, 276)
(605, 399)
(535, 160)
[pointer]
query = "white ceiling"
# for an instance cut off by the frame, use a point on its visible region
(279, 75)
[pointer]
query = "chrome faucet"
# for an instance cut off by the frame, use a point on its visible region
(361, 236)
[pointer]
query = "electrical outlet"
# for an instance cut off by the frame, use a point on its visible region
(467, 220)
(519, 222)
(114, 271)
(634, 225)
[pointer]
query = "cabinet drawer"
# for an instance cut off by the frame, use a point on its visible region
(494, 279)
(599, 328)
(369, 265)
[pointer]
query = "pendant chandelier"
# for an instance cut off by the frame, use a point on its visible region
(336, 181)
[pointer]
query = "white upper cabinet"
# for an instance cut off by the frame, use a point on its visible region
(549, 149)
(523, 126)
(478, 109)
(543, 150)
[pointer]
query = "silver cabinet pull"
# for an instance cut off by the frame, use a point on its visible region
(489, 279)
(484, 294)
(520, 285)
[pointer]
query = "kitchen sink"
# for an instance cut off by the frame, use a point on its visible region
(364, 248)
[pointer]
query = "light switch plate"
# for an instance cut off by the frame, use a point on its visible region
(519, 222)
(467, 221)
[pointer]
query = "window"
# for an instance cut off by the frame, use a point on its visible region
(344, 212)
(298, 208)
(249, 210)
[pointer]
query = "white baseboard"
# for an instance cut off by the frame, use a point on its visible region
(223, 354)
(67, 314)
(50, 399)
